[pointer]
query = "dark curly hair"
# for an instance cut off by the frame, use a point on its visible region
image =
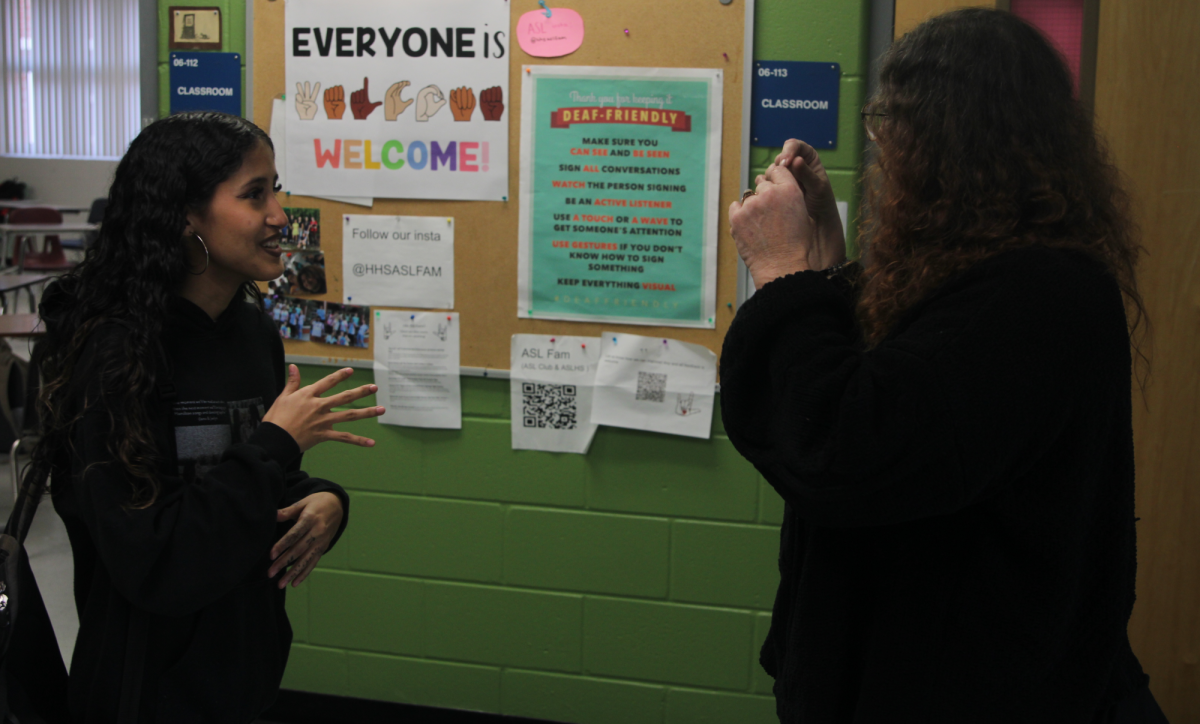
(172, 168)
(984, 148)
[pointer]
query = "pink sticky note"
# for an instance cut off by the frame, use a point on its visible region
(550, 37)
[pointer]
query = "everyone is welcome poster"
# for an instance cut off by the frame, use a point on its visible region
(398, 99)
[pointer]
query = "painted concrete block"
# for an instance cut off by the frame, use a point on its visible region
(815, 30)
(723, 564)
(580, 699)
(449, 539)
(316, 669)
(506, 627)
(586, 551)
(366, 612)
(688, 706)
(423, 682)
(636, 472)
(667, 642)
(480, 464)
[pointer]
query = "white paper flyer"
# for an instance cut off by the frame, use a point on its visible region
(551, 386)
(417, 367)
(655, 384)
(398, 261)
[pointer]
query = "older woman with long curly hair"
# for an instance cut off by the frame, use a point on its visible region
(948, 422)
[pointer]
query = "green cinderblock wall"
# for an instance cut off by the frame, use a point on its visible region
(233, 40)
(633, 584)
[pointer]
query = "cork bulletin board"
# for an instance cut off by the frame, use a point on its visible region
(663, 33)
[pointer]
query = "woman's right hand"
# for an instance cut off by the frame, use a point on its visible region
(309, 418)
(805, 164)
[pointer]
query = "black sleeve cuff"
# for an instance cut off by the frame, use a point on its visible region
(276, 441)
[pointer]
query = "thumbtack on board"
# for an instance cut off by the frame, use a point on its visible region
(411, 317)
(726, 57)
(583, 345)
(552, 340)
(449, 318)
(626, 32)
(543, 4)
(614, 340)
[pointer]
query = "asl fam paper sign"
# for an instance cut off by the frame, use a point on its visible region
(398, 261)
(551, 388)
(398, 100)
(655, 384)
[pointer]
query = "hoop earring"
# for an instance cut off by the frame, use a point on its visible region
(206, 257)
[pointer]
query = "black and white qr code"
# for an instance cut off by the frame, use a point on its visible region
(549, 406)
(652, 387)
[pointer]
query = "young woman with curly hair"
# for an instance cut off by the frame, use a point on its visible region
(173, 435)
(949, 424)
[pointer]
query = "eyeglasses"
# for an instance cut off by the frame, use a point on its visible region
(872, 120)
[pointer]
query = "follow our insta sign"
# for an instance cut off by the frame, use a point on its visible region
(398, 100)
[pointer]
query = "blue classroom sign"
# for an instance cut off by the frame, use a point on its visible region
(792, 99)
(206, 82)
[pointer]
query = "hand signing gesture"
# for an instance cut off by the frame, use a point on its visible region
(491, 102)
(306, 100)
(805, 164)
(429, 101)
(462, 103)
(335, 103)
(318, 518)
(309, 418)
(394, 105)
(360, 103)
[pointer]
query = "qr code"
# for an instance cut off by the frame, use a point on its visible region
(549, 406)
(652, 387)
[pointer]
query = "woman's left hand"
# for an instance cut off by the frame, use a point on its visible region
(318, 518)
(772, 228)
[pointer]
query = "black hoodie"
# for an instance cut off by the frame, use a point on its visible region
(194, 564)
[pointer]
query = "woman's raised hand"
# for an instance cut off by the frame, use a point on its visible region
(309, 418)
(791, 223)
(805, 164)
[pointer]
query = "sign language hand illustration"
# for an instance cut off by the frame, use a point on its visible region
(306, 100)
(394, 105)
(360, 104)
(462, 103)
(491, 102)
(429, 101)
(335, 103)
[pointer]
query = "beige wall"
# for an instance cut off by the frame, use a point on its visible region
(911, 13)
(1147, 106)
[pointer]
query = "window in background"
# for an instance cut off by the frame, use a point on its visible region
(70, 78)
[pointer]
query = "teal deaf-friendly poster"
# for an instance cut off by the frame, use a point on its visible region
(620, 170)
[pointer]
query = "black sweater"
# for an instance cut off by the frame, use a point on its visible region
(958, 542)
(195, 563)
